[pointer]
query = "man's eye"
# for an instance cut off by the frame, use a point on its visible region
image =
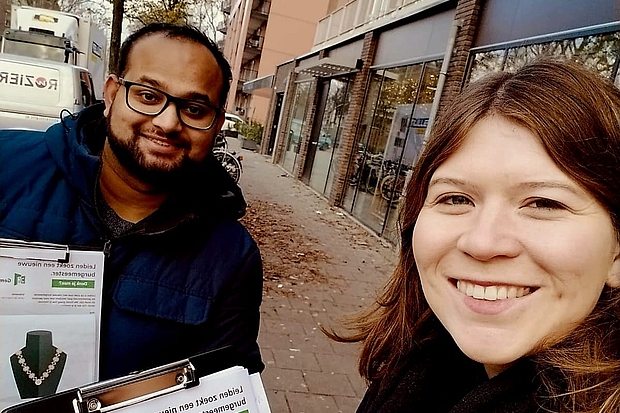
(147, 96)
(195, 111)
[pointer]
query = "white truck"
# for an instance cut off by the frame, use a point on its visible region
(36, 93)
(58, 36)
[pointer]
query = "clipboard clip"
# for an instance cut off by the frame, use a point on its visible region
(38, 251)
(110, 395)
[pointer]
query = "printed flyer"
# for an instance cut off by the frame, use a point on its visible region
(50, 308)
(228, 391)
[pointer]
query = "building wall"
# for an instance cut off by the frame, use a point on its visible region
(336, 4)
(480, 26)
(288, 19)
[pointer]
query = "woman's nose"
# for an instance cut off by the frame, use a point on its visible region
(490, 233)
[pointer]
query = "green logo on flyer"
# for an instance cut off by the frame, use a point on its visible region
(19, 279)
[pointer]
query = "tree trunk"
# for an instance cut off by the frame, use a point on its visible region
(115, 37)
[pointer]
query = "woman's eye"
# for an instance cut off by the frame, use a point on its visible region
(454, 200)
(543, 203)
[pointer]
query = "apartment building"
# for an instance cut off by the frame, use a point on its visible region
(349, 117)
(259, 35)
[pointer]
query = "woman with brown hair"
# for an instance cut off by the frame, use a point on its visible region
(505, 298)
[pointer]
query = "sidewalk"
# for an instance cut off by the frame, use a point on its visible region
(319, 266)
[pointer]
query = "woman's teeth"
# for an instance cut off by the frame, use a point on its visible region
(492, 292)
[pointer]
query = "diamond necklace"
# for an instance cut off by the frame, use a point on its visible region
(38, 380)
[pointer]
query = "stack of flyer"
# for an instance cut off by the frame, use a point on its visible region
(228, 391)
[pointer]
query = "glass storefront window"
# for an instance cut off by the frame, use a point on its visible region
(391, 144)
(393, 184)
(487, 62)
(295, 126)
(328, 142)
(364, 131)
(599, 52)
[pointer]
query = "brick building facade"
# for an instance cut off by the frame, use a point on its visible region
(353, 113)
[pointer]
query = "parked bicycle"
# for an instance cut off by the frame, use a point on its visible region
(229, 159)
(391, 187)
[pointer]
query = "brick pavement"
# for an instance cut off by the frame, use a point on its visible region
(305, 371)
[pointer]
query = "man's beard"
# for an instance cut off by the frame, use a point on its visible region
(160, 175)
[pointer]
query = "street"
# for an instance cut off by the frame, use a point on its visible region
(319, 266)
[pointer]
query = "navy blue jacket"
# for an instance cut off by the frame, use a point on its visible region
(186, 279)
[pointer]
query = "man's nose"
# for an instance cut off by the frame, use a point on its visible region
(490, 233)
(168, 121)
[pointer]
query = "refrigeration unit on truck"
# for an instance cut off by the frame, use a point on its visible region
(58, 36)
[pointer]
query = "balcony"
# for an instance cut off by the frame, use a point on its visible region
(261, 11)
(222, 27)
(253, 47)
(359, 16)
(226, 6)
(245, 76)
(259, 15)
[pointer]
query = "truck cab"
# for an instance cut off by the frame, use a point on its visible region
(36, 93)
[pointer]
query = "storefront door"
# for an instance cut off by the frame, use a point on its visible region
(324, 143)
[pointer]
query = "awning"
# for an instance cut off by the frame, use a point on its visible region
(327, 67)
(265, 82)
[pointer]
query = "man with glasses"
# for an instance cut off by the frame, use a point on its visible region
(135, 177)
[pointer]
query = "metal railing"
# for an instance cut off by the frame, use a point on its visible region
(255, 42)
(354, 14)
(262, 8)
(247, 74)
(222, 27)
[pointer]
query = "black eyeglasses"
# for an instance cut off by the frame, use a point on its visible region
(150, 101)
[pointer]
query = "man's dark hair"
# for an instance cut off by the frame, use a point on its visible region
(179, 32)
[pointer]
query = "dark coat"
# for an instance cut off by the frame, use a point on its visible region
(439, 378)
(184, 280)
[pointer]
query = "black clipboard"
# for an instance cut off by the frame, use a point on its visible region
(109, 395)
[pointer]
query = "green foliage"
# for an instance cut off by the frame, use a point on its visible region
(252, 130)
(153, 11)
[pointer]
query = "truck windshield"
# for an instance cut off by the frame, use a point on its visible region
(34, 50)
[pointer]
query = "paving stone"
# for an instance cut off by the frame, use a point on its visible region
(277, 401)
(337, 363)
(311, 403)
(345, 404)
(296, 359)
(333, 384)
(282, 379)
(274, 340)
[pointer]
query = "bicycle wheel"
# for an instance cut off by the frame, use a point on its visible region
(232, 166)
(387, 187)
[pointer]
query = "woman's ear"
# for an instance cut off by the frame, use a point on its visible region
(613, 278)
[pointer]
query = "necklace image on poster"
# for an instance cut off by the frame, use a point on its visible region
(38, 366)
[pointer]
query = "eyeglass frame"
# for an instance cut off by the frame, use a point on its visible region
(169, 98)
